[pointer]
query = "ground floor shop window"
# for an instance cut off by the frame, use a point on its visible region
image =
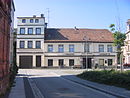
(109, 62)
(101, 62)
(50, 62)
(71, 62)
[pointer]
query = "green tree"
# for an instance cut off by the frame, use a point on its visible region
(119, 38)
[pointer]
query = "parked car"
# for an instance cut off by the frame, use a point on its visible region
(126, 65)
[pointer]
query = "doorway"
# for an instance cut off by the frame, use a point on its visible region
(38, 61)
(89, 63)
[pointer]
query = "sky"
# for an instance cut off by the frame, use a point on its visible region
(93, 14)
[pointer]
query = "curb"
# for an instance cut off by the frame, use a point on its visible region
(99, 89)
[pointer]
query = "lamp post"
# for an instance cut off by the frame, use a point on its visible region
(86, 50)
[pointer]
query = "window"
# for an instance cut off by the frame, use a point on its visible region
(71, 48)
(30, 30)
(109, 62)
(101, 48)
(50, 62)
(31, 20)
(109, 48)
(101, 62)
(86, 47)
(23, 20)
(60, 48)
(22, 30)
(36, 20)
(22, 44)
(38, 31)
(71, 62)
(30, 44)
(50, 48)
(38, 44)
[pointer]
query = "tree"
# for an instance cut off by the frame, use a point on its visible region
(119, 38)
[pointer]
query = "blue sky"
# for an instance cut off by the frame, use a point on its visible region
(97, 14)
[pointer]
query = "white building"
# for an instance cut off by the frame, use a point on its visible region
(30, 41)
(126, 48)
(62, 47)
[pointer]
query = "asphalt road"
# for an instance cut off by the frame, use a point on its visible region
(50, 84)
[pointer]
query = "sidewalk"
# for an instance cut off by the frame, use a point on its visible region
(18, 90)
(116, 91)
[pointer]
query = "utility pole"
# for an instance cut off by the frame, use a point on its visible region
(86, 50)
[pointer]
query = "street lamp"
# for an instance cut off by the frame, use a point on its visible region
(86, 49)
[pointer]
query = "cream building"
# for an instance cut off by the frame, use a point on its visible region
(30, 41)
(59, 47)
(73, 47)
(126, 48)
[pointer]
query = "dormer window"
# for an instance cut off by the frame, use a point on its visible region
(31, 20)
(37, 21)
(23, 20)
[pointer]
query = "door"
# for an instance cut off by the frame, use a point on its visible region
(61, 62)
(89, 63)
(38, 61)
(25, 61)
(50, 62)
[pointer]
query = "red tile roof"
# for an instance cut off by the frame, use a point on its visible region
(94, 35)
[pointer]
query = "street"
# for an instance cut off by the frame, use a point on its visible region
(49, 84)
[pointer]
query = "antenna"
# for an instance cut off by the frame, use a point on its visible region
(118, 17)
(48, 13)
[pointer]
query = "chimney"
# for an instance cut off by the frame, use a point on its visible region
(42, 15)
(34, 16)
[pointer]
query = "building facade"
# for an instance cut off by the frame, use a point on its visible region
(64, 47)
(30, 41)
(79, 47)
(6, 7)
(126, 47)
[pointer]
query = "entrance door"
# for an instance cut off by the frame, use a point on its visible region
(25, 61)
(50, 62)
(61, 62)
(89, 63)
(38, 61)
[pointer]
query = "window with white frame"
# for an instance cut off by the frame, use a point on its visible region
(31, 20)
(101, 48)
(23, 20)
(22, 44)
(30, 30)
(22, 30)
(36, 20)
(38, 31)
(30, 44)
(38, 44)
(50, 48)
(71, 48)
(60, 48)
(109, 48)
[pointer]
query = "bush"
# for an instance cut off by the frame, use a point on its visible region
(110, 77)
